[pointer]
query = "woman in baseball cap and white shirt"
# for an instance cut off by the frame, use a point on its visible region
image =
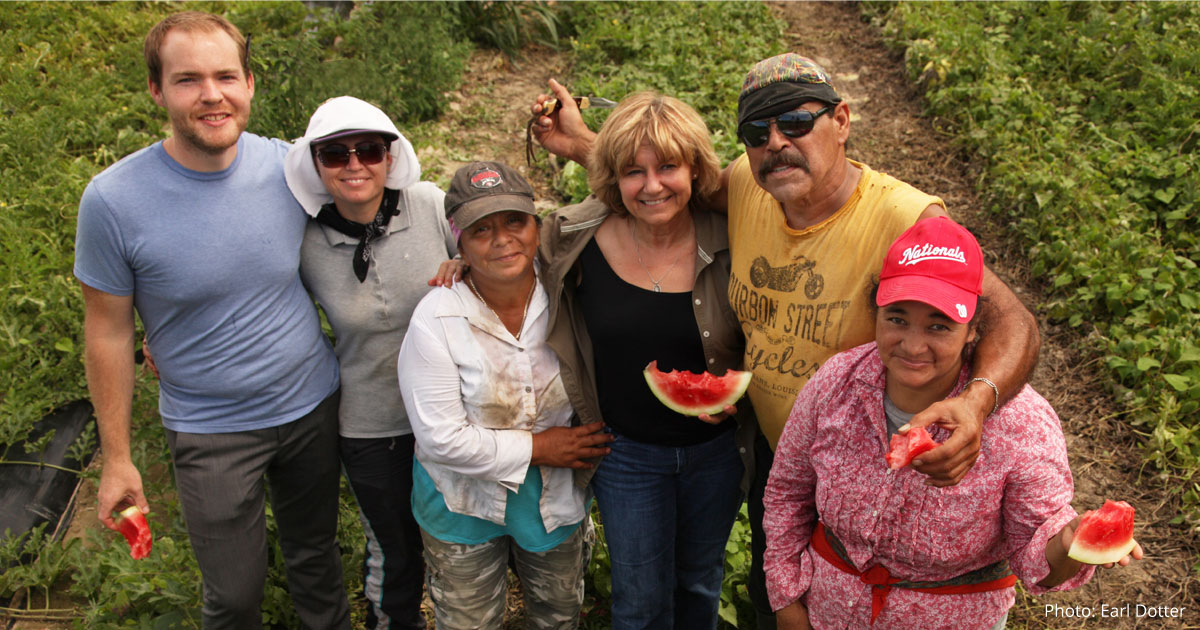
(496, 451)
(377, 236)
(889, 550)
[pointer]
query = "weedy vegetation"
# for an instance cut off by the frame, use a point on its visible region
(73, 90)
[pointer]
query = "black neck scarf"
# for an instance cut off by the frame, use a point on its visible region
(364, 232)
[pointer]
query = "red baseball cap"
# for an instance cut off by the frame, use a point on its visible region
(938, 262)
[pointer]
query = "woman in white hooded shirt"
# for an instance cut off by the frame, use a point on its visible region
(377, 236)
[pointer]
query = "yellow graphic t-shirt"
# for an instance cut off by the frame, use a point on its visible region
(804, 295)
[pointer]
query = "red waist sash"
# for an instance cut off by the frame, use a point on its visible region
(993, 577)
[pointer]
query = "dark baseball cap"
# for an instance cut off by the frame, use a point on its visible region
(482, 188)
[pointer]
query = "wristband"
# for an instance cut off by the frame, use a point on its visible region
(995, 390)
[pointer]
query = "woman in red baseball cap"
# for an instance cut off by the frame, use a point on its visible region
(889, 550)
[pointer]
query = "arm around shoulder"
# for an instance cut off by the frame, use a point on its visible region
(1009, 343)
(1009, 339)
(1004, 357)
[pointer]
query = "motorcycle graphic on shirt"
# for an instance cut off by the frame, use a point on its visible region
(787, 278)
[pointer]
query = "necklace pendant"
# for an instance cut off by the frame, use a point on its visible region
(657, 289)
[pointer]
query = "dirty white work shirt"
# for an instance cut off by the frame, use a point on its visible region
(475, 396)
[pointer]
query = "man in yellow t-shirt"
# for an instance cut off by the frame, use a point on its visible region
(803, 295)
(808, 232)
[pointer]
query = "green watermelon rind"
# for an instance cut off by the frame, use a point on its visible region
(1091, 553)
(741, 380)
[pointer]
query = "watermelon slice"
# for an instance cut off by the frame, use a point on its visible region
(131, 522)
(907, 446)
(1104, 535)
(693, 394)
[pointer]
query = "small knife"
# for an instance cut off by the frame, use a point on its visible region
(583, 102)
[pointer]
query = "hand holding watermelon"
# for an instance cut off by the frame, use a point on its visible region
(131, 522)
(905, 447)
(948, 463)
(1102, 537)
(718, 418)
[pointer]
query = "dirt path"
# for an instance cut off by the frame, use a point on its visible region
(487, 117)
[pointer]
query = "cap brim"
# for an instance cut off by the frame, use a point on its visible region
(954, 302)
(478, 208)
(353, 132)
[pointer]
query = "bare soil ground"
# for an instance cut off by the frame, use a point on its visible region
(486, 121)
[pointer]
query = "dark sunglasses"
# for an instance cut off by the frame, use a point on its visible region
(755, 133)
(338, 155)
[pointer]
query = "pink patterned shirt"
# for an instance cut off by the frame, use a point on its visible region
(830, 460)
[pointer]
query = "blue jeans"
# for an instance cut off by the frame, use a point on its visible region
(667, 513)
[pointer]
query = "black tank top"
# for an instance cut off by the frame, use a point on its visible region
(629, 327)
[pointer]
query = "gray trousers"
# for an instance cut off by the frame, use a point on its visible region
(220, 478)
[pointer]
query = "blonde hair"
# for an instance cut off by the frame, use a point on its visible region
(671, 127)
(189, 22)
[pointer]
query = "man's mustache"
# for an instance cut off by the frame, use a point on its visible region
(775, 160)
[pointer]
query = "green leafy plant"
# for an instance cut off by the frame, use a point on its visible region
(598, 581)
(735, 608)
(508, 26)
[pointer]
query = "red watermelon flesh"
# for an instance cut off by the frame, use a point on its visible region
(906, 447)
(131, 522)
(1104, 535)
(693, 394)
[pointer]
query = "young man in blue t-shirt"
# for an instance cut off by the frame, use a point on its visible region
(200, 236)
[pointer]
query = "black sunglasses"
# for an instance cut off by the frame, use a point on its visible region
(338, 155)
(755, 133)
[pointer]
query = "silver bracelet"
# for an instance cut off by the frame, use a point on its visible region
(995, 390)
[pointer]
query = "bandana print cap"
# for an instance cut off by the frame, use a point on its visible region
(788, 67)
(781, 84)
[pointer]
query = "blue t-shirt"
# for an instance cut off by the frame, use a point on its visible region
(212, 262)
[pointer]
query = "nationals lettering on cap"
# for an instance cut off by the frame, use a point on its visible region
(937, 262)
